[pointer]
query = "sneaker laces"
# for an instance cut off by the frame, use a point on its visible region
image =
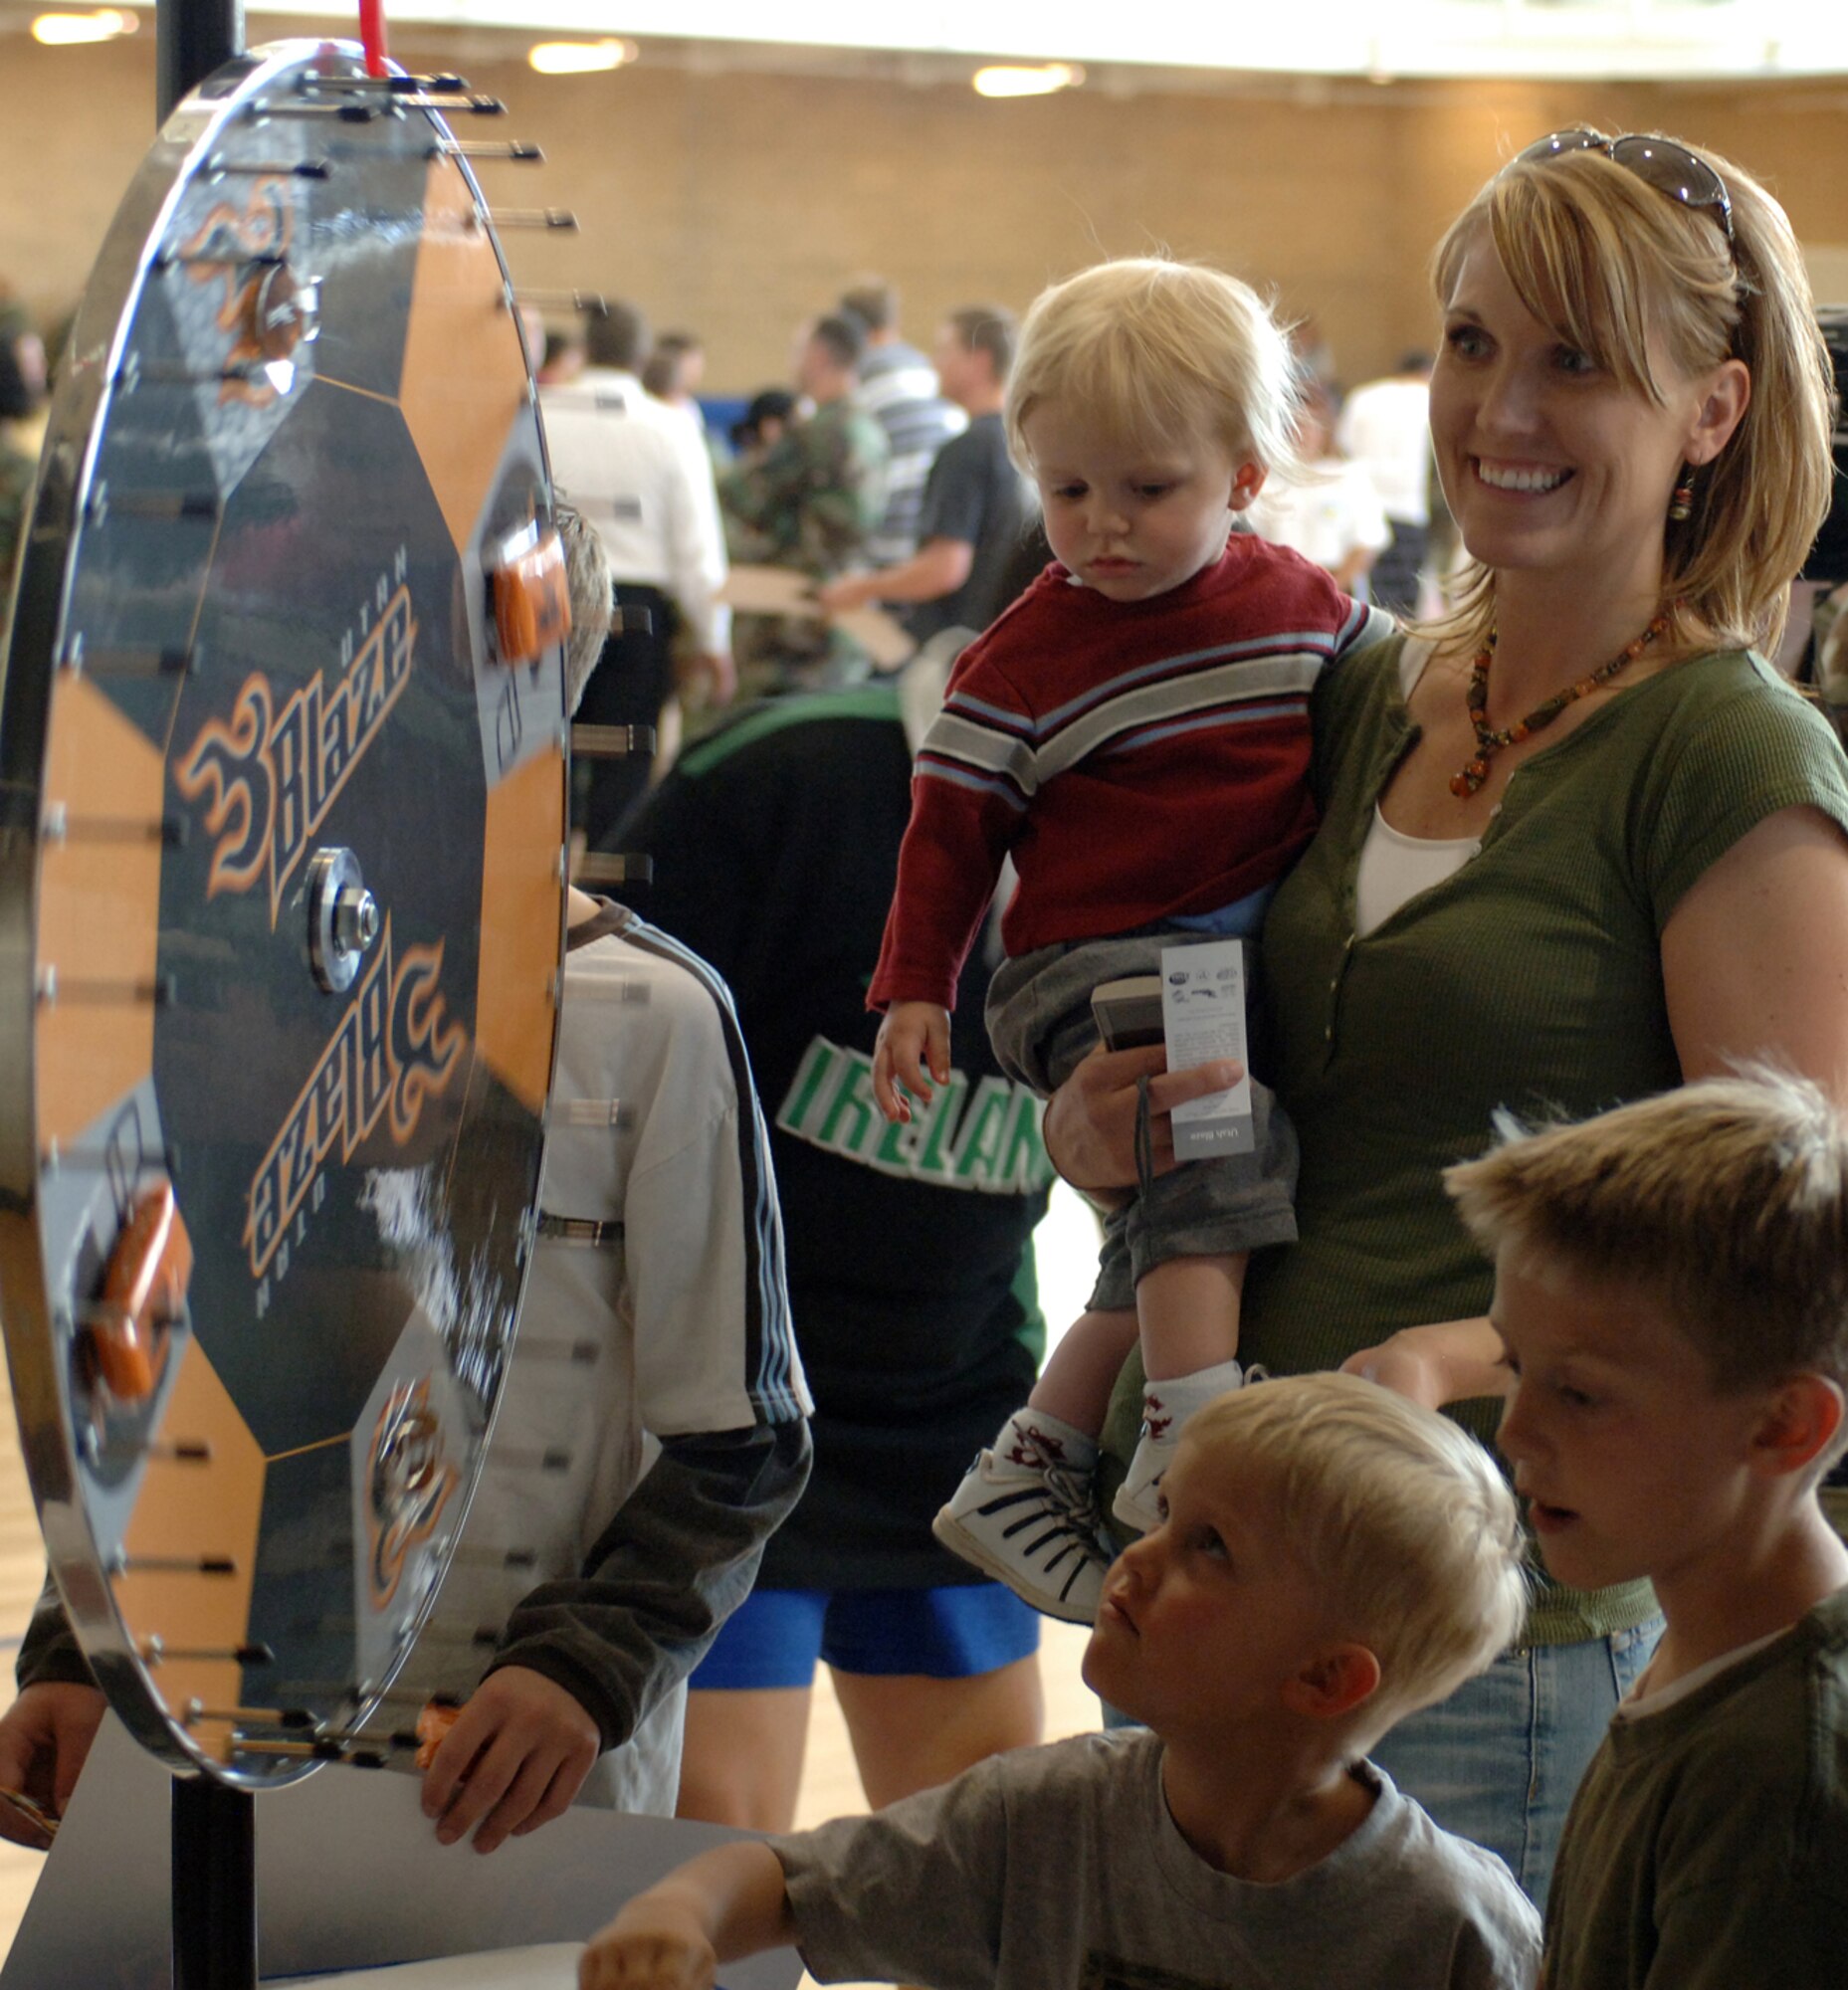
(1071, 1487)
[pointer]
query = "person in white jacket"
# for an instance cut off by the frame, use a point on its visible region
(640, 475)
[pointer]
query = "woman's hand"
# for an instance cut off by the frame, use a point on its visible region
(1446, 1362)
(1089, 1126)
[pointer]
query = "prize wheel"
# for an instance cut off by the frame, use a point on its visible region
(280, 907)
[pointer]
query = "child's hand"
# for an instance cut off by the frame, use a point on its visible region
(654, 1943)
(45, 1740)
(516, 1756)
(1403, 1368)
(1449, 1361)
(913, 1036)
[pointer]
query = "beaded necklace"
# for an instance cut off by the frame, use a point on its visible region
(1490, 741)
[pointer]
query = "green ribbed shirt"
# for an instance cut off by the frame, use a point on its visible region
(1530, 980)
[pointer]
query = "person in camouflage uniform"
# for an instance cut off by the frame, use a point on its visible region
(809, 502)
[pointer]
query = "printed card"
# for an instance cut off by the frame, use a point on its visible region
(1203, 1016)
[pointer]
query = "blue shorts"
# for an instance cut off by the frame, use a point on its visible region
(775, 1635)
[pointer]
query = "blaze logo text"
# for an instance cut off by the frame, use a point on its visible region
(268, 778)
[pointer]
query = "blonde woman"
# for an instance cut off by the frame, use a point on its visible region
(1580, 842)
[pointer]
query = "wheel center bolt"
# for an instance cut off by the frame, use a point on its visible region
(355, 919)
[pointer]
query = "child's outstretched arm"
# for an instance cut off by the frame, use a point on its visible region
(726, 1904)
(912, 1049)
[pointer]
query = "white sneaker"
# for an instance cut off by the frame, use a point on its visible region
(1166, 1406)
(1026, 1513)
(1137, 1503)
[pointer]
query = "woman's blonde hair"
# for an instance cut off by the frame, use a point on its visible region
(1159, 350)
(1604, 259)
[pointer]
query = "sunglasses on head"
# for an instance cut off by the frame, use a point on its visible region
(1668, 168)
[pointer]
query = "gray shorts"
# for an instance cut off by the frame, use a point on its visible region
(1039, 1021)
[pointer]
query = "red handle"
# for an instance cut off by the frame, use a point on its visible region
(372, 35)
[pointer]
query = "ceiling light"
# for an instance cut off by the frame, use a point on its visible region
(579, 58)
(62, 31)
(1005, 79)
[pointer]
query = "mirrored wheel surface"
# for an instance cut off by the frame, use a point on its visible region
(279, 910)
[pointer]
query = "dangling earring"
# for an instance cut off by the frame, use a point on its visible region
(1681, 499)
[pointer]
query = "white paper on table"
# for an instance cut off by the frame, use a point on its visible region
(350, 1874)
(780, 590)
(769, 590)
(882, 636)
(546, 1965)
(1203, 1018)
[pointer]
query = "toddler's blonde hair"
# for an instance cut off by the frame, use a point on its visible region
(1159, 350)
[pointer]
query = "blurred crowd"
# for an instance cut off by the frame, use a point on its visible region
(826, 478)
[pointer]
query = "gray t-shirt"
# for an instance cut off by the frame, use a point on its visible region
(1059, 1868)
(975, 495)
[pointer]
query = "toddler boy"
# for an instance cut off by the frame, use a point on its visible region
(1672, 1294)
(1332, 1557)
(1134, 732)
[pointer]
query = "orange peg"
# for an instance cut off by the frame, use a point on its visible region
(532, 605)
(433, 1726)
(143, 1290)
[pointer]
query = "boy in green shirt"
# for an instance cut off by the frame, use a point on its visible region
(1672, 1300)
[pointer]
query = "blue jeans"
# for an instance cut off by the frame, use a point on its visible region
(1499, 1760)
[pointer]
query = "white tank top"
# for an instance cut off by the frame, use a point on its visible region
(1395, 866)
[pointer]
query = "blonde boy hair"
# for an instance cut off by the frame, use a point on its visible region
(1402, 1518)
(1159, 351)
(1604, 259)
(1724, 1200)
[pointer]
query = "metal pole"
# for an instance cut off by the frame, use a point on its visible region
(192, 39)
(214, 1886)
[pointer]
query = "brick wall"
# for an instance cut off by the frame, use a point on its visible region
(738, 202)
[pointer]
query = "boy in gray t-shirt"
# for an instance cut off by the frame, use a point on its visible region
(1330, 1557)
